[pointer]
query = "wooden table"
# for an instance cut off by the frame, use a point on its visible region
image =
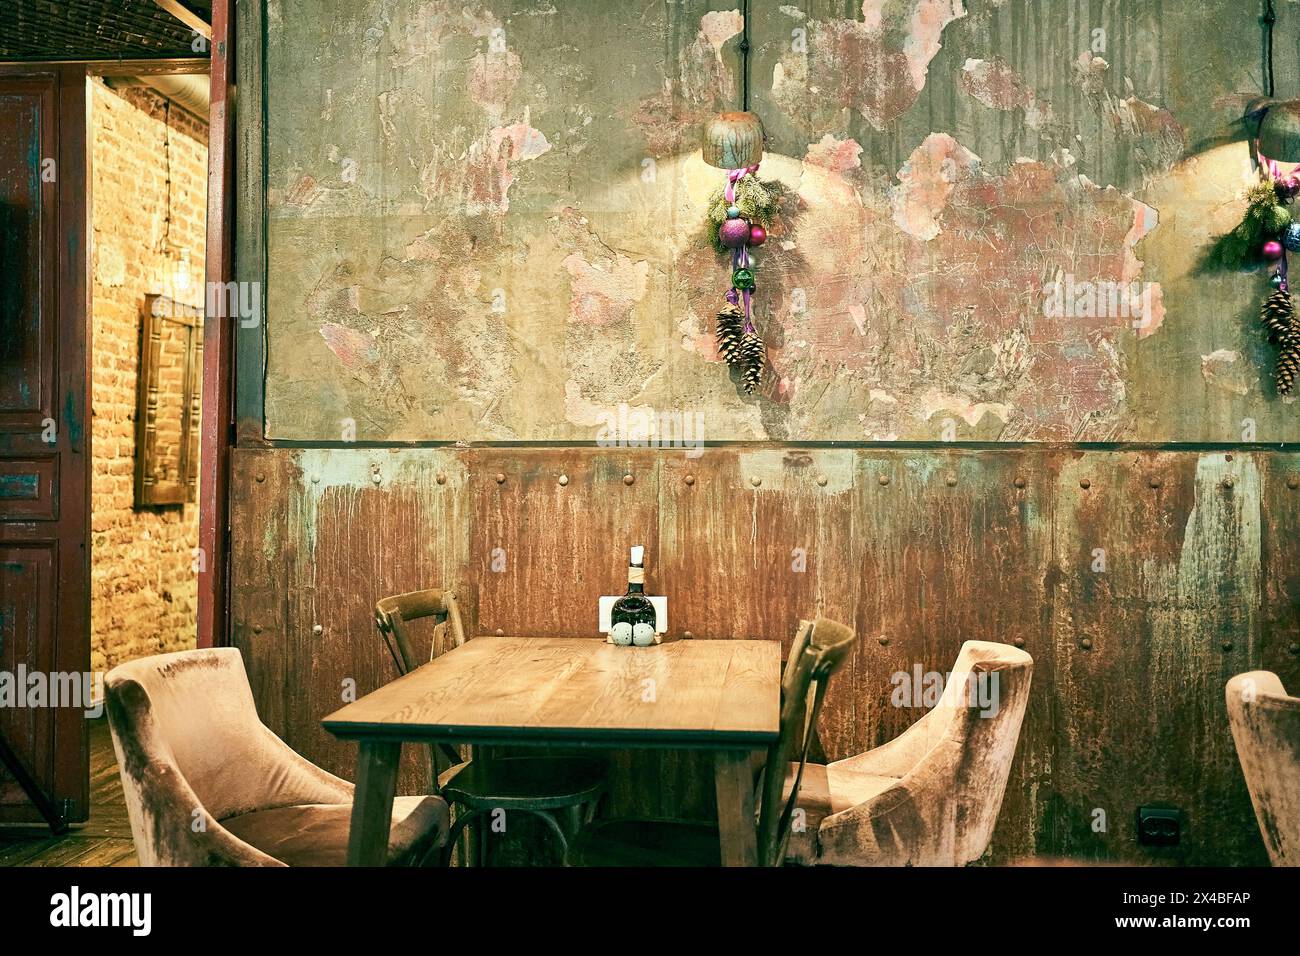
(722, 696)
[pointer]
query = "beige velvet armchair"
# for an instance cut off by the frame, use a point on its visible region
(1265, 724)
(208, 784)
(931, 796)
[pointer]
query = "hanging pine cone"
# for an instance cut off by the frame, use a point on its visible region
(1288, 365)
(1278, 316)
(730, 332)
(753, 356)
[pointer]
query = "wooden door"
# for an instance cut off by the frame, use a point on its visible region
(44, 428)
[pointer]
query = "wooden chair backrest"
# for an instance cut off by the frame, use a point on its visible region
(824, 649)
(796, 651)
(392, 617)
(393, 614)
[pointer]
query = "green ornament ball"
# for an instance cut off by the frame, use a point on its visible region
(743, 279)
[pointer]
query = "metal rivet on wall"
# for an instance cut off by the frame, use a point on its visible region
(882, 641)
(1228, 457)
(1228, 482)
(317, 629)
(1226, 645)
(821, 480)
(689, 479)
(499, 632)
(257, 628)
(1294, 647)
(1019, 642)
(1086, 643)
(755, 481)
(315, 479)
(260, 478)
(687, 635)
(883, 479)
(1155, 482)
(440, 478)
(1019, 482)
(628, 479)
(950, 480)
(564, 480)
(1085, 484)
(501, 479)
(1293, 482)
(376, 477)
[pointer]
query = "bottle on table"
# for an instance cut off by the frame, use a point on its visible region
(632, 619)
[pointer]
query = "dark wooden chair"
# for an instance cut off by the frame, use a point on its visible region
(561, 792)
(818, 653)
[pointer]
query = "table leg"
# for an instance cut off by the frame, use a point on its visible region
(372, 803)
(734, 783)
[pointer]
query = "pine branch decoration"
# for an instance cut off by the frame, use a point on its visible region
(730, 333)
(753, 356)
(1240, 248)
(1278, 316)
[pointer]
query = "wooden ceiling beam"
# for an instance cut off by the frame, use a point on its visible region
(187, 17)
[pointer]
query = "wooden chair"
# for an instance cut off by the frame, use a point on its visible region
(1265, 724)
(561, 792)
(208, 784)
(931, 796)
(819, 651)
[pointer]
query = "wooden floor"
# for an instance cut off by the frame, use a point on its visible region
(105, 840)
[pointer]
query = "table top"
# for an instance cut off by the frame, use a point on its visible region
(580, 691)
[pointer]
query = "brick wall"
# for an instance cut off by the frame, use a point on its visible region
(144, 590)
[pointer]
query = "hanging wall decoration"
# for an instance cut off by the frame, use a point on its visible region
(1267, 231)
(740, 214)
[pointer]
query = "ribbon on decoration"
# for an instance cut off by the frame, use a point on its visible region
(740, 258)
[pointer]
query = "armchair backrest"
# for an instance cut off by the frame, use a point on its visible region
(984, 705)
(1265, 724)
(192, 751)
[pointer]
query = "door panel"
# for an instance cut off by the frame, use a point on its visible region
(44, 441)
(27, 264)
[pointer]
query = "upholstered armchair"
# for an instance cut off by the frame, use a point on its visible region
(931, 796)
(208, 784)
(1265, 724)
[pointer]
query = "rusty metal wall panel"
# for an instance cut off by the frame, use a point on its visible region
(1280, 554)
(321, 536)
(920, 549)
(265, 562)
(955, 547)
(752, 541)
(542, 552)
(1145, 645)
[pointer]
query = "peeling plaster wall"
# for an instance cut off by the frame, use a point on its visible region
(484, 219)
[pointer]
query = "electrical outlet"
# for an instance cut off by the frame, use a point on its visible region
(1159, 826)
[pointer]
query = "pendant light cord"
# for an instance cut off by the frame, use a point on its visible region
(1270, 19)
(744, 54)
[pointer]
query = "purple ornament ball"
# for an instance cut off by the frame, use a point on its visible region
(734, 233)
